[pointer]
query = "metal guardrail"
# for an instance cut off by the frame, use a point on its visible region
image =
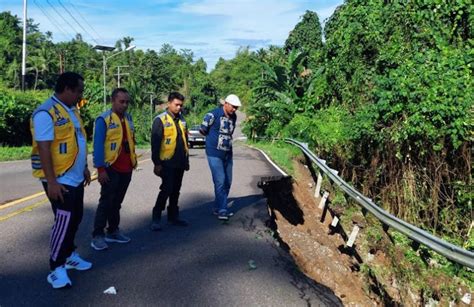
(448, 250)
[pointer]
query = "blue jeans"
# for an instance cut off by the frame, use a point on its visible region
(221, 170)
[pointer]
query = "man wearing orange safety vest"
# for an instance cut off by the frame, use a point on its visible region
(169, 148)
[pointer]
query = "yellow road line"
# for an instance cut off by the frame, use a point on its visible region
(7, 205)
(29, 208)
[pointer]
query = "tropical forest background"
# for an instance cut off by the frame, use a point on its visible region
(384, 93)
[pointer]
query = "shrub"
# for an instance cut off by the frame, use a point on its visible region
(15, 111)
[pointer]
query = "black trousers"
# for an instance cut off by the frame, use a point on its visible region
(169, 189)
(67, 217)
(111, 197)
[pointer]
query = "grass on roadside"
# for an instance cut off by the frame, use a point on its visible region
(14, 153)
(280, 152)
(24, 152)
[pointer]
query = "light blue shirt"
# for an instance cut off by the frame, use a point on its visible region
(44, 131)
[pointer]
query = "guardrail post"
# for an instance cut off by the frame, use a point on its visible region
(317, 191)
(322, 203)
(322, 206)
(353, 236)
(444, 248)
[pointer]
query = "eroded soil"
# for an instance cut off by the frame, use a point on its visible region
(321, 252)
(318, 250)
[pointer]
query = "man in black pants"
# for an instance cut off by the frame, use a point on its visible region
(169, 152)
(115, 158)
(59, 160)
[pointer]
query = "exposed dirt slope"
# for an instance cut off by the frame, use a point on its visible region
(318, 254)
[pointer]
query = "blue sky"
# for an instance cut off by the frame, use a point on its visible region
(210, 28)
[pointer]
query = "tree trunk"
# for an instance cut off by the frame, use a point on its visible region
(36, 78)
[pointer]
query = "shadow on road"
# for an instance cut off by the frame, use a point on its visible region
(173, 267)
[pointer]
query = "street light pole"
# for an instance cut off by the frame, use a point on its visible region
(104, 68)
(104, 64)
(118, 76)
(23, 57)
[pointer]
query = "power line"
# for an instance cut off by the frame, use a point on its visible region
(65, 20)
(72, 16)
(53, 20)
(85, 21)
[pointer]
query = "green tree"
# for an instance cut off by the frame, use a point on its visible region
(392, 81)
(306, 37)
(237, 76)
(10, 49)
(284, 89)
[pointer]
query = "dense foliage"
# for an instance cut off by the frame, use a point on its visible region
(15, 111)
(237, 76)
(306, 38)
(389, 102)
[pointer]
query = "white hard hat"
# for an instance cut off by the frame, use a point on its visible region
(233, 100)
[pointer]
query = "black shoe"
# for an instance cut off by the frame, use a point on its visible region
(178, 222)
(155, 226)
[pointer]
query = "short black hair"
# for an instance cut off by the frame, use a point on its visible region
(67, 79)
(175, 95)
(118, 90)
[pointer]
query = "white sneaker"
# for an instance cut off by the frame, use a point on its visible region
(76, 262)
(58, 278)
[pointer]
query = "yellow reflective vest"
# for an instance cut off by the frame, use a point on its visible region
(64, 148)
(170, 135)
(114, 136)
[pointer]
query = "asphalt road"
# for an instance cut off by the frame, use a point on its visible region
(204, 264)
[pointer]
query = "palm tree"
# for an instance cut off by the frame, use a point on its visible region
(127, 40)
(38, 64)
(13, 73)
(285, 88)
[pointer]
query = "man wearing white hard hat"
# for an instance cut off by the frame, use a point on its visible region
(218, 125)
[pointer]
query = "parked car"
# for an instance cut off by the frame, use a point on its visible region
(195, 137)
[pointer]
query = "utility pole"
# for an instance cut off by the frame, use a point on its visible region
(104, 63)
(118, 73)
(104, 67)
(151, 109)
(61, 67)
(23, 57)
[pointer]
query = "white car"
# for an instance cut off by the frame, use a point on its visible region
(195, 137)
